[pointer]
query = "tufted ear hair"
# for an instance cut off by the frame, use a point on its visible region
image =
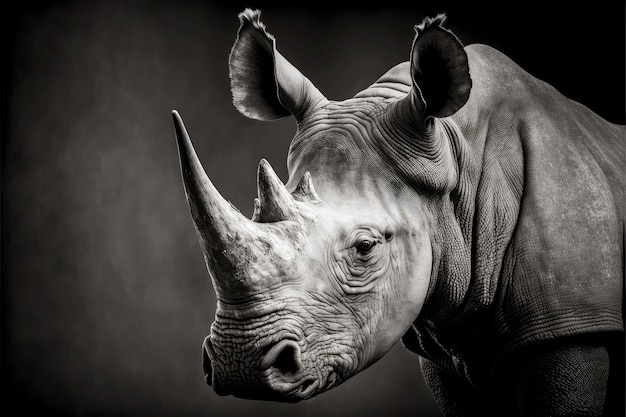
(264, 85)
(439, 70)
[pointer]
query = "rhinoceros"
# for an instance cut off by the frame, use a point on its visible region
(457, 204)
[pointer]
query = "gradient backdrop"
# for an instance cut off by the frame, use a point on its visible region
(105, 298)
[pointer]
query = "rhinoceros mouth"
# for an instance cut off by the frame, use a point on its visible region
(286, 392)
(297, 391)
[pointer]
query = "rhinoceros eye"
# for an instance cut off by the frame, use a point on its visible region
(365, 246)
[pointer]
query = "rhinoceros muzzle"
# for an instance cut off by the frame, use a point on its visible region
(278, 376)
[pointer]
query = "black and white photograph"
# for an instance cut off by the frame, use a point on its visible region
(329, 209)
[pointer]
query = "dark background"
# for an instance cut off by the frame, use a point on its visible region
(105, 299)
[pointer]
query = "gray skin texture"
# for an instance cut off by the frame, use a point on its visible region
(458, 204)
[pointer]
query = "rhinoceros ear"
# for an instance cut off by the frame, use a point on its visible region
(264, 85)
(439, 69)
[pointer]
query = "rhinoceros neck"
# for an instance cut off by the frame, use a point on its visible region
(471, 188)
(478, 219)
(452, 213)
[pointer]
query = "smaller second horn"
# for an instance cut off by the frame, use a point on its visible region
(275, 201)
(305, 191)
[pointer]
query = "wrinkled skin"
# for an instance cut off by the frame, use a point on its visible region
(458, 204)
(337, 288)
(332, 303)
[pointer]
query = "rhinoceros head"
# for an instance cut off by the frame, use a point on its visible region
(336, 264)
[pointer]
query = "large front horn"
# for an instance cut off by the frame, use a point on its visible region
(222, 229)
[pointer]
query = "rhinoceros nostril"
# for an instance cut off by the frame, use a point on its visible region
(284, 357)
